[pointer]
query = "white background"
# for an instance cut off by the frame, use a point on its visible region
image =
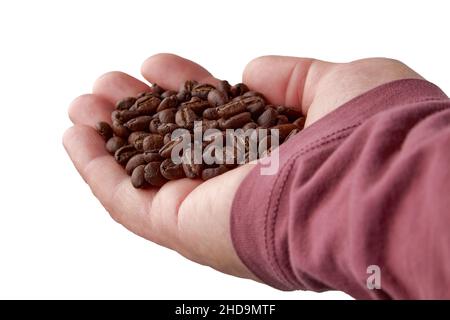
(56, 241)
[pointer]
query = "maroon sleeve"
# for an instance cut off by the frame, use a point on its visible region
(369, 184)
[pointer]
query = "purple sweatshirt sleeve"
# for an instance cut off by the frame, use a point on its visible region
(369, 184)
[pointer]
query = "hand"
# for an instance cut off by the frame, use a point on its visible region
(189, 216)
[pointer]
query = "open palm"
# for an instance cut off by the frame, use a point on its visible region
(191, 216)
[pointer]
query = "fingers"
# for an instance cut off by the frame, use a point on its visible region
(115, 85)
(283, 80)
(107, 179)
(170, 71)
(89, 109)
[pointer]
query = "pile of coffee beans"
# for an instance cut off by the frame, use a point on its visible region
(141, 140)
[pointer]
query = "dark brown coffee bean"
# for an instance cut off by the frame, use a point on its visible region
(167, 137)
(120, 130)
(211, 114)
(157, 90)
(225, 87)
(134, 162)
(115, 143)
(291, 134)
(154, 124)
(167, 103)
(202, 90)
(124, 154)
(140, 123)
(138, 177)
(105, 130)
(168, 93)
(230, 109)
(196, 104)
(122, 116)
(250, 125)
(150, 156)
(238, 90)
(284, 130)
(191, 169)
(217, 98)
(146, 105)
(300, 122)
(167, 115)
(143, 94)
(165, 128)
(137, 139)
(236, 121)
(126, 103)
(206, 124)
(253, 94)
(282, 119)
(255, 105)
(185, 118)
(268, 118)
(188, 85)
(152, 174)
(171, 171)
(183, 96)
(153, 141)
(210, 173)
(291, 113)
(166, 150)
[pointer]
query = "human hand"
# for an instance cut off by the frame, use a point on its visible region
(191, 216)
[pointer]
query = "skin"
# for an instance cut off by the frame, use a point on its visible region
(187, 215)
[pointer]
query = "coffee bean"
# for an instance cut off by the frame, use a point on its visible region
(206, 124)
(224, 86)
(105, 130)
(152, 174)
(255, 105)
(157, 90)
(300, 122)
(146, 105)
(236, 121)
(122, 116)
(196, 104)
(168, 93)
(191, 169)
(284, 129)
(168, 103)
(166, 150)
(185, 118)
(253, 94)
(230, 109)
(138, 178)
(202, 90)
(268, 118)
(143, 94)
(210, 173)
(211, 114)
(136, 139)
(291, 113)
(134, 162)
(165, 128)
(167, 137)
(171, 171)
(120, 130)
(154, 124)
(115, 143)
(183, 96)
(124, 154)
(188, 85)
(282, 119)
(153, 142)
(250, 125)
(126, 103)
(140, 123)
(217, 98)
(238, 89)
(167, 115)
(150, 156)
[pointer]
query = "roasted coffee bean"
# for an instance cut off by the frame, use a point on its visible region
(134, 162)
(167, 103)
(124, 154)
(185, 118)
(210, 173)
(165, 128)
(168, 93)
(150, 156)
(196, 104)
(217, 98)
(171, 171)
(122, 116)
(224, 86)
(154, 124)
(268, 118)
(146, 105)
(167, 115)
(143, 94)
(282, 119)
(183, 96)
(115, 143)
(289, 112)
(126, 103)
(236, 121)
(284, 130)
(250, 125)
(140, 123)
(105, 130)
(211, 114)
(202, 90)
(206, 124)
(291, 134)
(153, 142)
(300, 122)
(152, 174)
(166, 150)
(255, 105)
(138, 177)
(167, 137)
(136, 139)
(253, 94)
(188, 85)
(238, 90)
(230, 109)
(120, 130)
(191, 169)
(157, 90)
